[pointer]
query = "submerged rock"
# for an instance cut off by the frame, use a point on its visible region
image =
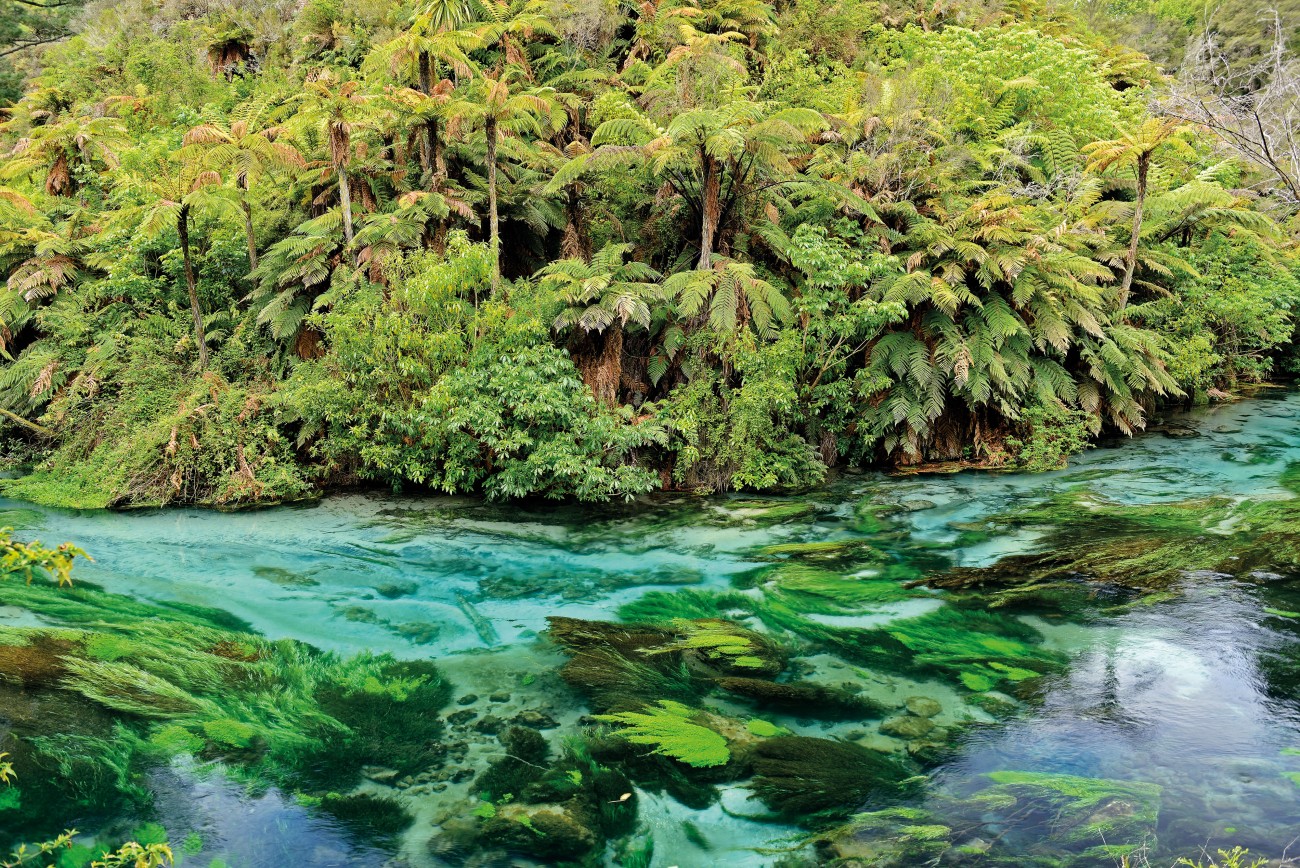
(534, 719)
(490, 724)
(923, 706)
(907, 726)
(545, 831)
(379, 774)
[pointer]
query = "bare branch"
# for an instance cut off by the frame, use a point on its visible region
(1254, 109)
(24, 44)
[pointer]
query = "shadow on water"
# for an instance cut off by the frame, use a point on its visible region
(261, 828)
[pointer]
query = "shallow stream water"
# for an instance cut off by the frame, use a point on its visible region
(1195, 689)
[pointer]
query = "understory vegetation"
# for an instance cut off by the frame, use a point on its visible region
(532, 248)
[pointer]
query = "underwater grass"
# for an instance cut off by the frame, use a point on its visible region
(669, 729)
(176, 681)
(1145, 548)
(1073, 821)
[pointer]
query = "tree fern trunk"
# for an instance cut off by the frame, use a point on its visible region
(200, 339)
(248, 229)
(605, 371)
(712, 207)
(345, 198)
(1130, 263)
(435, 147)
(435, 183)
(494, 235)
(574, 244)
(426, 88)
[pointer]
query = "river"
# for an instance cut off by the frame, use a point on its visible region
(1181, 694)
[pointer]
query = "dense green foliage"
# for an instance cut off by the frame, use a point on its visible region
(584, 250)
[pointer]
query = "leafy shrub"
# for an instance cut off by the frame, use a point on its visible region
(1052, 434)
(428, 387)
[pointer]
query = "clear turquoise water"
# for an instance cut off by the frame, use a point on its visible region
(1185, 693)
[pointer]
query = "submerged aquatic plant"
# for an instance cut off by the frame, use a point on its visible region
(670, 730)
(627, 665)
(1074, 821)
(804, 778)
(376, 817)
(722, 645)
(1077, 810)
(889, 836)
(974, 648)
(804, 699)
(176, 682)
(1144, 548)
(816, 590)
(859, 550)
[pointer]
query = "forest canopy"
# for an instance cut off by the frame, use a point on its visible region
(587, 249)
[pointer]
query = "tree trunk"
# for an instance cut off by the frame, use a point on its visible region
(200, 339)
(345, 198)
(437, 166)
(426, 88)
(435, 142)
(494, 236)
(712, 206)
(575, 244)
(600, 363)
(1130, 263)
(248, 229)
(439, 240)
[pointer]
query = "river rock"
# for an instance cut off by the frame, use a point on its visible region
(552, 832)
(907, 726)
(491, 725)
(534, 719)
(1179, 431)
(379, 774)
(923, 706)
(931, 750)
